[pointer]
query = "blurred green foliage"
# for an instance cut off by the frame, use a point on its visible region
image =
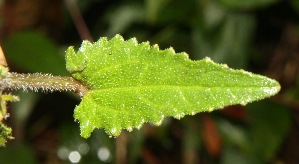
(28, 45)
(243, 34)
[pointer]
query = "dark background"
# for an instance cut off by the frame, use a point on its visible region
(261, 36)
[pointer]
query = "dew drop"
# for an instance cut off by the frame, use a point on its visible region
(135, 41)
(207, 59)
(87, 123)
(185, 54)
(244, 103)
(172, 50)
(113, 130)
(158, 123)
(178, 116)
(130, 129)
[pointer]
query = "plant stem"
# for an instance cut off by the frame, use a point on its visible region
(43, 82)
(78, 20)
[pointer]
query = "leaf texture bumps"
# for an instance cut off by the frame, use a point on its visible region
(130, 84)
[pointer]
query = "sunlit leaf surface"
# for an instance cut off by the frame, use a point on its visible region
(130, 84)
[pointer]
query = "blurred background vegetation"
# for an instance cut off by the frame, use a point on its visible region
(261, 36)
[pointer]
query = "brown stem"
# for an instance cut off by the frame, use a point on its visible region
(2, 58)
(121, 148)
(78, 20)
(44, 82)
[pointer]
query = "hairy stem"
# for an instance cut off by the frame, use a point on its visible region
(43, 82)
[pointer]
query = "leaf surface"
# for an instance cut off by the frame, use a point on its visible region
(130, 84)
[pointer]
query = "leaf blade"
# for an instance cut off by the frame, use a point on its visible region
(130, 84)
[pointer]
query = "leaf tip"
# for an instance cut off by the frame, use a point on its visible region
(156, 47)
(185, 54)
(171, 50)
(130, 129)
(210, 109)
(158, 123)
(119, 37)
(85, 45)
(3, 71)
(208, 59)
(179, 116)
(113, 132)
(271, 91)
(134, 41)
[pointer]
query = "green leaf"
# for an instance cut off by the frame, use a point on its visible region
(5, 134)
(18, 153)
(34, 52)
(130, 84)
(228, 40)
(247, 4)
(261, 117)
